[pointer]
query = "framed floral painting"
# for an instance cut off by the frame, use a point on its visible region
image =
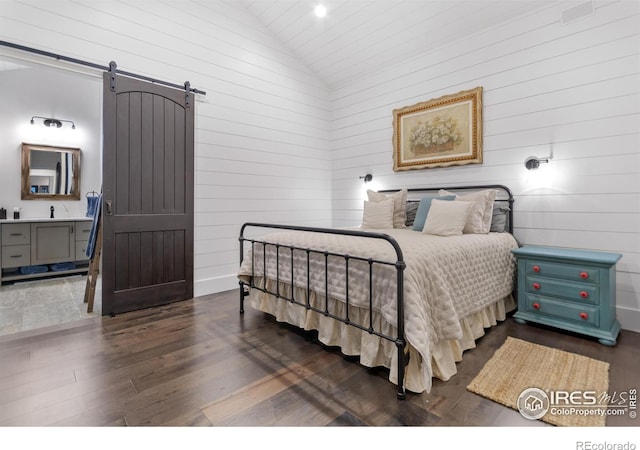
(442, 132)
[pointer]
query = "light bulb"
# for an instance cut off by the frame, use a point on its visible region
(320, 11)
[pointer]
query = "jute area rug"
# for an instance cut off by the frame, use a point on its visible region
(546, 374)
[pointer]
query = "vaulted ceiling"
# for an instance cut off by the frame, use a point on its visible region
(363, 36)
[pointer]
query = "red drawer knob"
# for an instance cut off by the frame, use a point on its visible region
(536, 268)
(584, 315)
(536, 306)
(584, 275)
(584, 294)
(536, 285)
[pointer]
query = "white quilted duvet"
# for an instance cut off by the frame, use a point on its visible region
(446, 280)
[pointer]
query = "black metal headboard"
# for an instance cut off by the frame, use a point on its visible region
(504, 195)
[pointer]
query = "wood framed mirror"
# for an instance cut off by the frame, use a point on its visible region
(50, 173)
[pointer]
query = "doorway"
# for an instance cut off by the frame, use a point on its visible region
(173, 239)
(29, 88)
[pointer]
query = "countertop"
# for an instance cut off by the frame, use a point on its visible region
(43, 219)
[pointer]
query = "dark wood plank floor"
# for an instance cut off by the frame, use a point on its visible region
(200, 363)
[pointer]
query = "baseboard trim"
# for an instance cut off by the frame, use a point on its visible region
(629, 318)
(215, 285)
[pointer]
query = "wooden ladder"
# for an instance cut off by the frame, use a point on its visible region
(94, 269)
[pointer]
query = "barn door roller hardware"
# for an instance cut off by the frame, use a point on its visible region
(112, 76)
(187, 90)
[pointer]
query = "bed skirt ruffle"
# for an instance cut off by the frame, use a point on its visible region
(374, 351)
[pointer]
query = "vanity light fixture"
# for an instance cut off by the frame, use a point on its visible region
(367, 178)
(52, 123)
(533, 162)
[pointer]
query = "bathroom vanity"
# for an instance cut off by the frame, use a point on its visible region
(37, 248)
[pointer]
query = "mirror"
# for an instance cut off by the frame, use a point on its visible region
(51, 173)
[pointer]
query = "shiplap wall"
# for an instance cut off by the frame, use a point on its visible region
(265, 130)
(571, 90)
(262, 148)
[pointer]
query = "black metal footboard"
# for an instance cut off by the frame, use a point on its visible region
(399, 265)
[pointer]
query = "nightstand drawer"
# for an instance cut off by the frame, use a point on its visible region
(573, 272)
(582, 314)
(16, 256)
(578, 292)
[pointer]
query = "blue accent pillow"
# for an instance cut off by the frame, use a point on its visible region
(423, 209)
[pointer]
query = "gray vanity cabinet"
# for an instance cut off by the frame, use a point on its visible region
(44, 244)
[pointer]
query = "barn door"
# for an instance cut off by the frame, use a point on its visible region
(147, 254)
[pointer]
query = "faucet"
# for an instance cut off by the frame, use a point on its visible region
(52, 209)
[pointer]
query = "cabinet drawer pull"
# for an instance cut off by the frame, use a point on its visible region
(584, 294)
(15, 234)
(584, 315)
(536, 285)
(15, 256)
(536, 268)
(584, 275)
(536, 306)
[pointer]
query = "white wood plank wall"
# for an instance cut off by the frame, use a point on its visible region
(262, 148)
(273, 143)
(570, 89)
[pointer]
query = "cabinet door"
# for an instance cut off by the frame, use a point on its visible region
(52, 242)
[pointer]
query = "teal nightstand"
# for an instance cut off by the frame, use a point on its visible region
(570, 289)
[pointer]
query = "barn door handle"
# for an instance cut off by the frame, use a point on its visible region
(108, 210)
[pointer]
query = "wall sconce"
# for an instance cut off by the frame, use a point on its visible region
(52, 123)
(367, 178)
(533, 162)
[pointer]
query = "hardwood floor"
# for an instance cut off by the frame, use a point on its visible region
(201, 363)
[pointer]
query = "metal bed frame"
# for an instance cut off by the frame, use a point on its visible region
(399, 265)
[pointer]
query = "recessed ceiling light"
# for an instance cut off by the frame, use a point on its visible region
(320, 11)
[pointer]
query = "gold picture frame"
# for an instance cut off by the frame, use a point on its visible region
(441, 132)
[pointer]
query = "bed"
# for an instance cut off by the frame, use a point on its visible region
(411, 289)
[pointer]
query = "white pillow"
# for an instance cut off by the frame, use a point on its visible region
(378, 214)
(447, 218)
(479, 220)
(399, 205)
